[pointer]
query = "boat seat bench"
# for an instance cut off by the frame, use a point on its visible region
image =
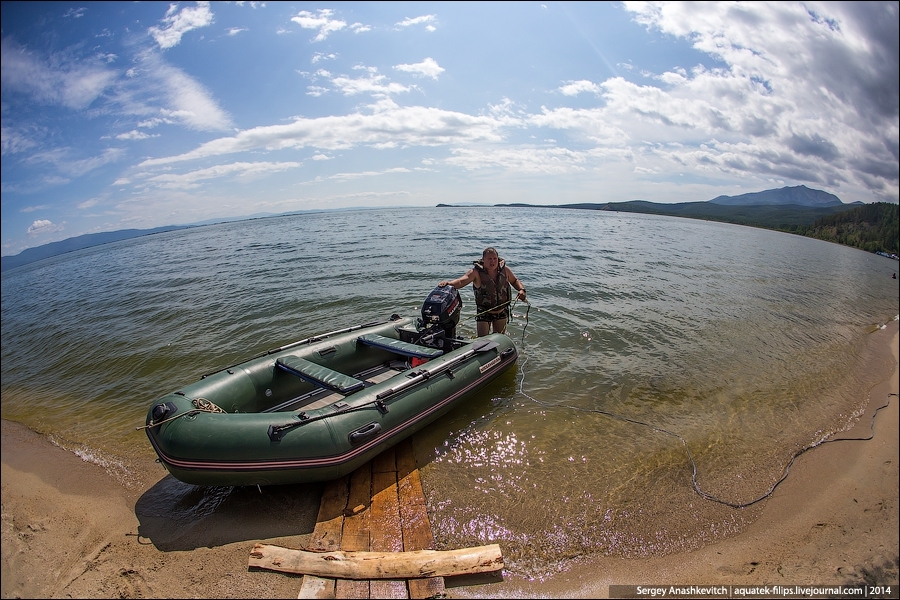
(319, 375)
(398, 346)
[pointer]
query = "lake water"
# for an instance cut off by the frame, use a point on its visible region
(743, 342)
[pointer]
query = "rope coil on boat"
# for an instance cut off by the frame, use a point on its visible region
(200, 405)
(204, 405)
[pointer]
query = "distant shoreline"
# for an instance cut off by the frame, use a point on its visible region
(775, 216)
(90, 240)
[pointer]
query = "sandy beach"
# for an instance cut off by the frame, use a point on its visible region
(71, 530)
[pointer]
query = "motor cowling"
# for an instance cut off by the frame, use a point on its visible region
(442, 308)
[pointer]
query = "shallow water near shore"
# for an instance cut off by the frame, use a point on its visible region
(744, 342)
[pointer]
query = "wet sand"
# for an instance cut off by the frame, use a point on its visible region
(71, 530)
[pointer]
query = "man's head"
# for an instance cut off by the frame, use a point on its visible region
(490, 258)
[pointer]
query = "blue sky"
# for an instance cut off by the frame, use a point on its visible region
(123, 115)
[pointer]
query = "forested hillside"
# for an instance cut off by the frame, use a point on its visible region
(871, 227)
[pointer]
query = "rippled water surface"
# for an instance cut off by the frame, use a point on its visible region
(743, 342)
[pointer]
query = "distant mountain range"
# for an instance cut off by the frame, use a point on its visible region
(785, 208)
(799, 195)
(95, 239)
(77, 243)
(798, 210)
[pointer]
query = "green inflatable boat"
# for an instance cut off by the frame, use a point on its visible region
(317, 409)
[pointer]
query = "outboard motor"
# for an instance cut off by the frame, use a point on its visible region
(440, 315)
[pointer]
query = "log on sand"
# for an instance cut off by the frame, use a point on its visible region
(340, 564)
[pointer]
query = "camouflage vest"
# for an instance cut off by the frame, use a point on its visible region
(493, 292)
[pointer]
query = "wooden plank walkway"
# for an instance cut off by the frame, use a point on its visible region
(380, 507)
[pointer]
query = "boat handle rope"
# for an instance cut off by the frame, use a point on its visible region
(696, 486)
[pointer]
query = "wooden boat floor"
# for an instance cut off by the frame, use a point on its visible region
(322, 397)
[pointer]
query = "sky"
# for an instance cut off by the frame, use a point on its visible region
(120, 115)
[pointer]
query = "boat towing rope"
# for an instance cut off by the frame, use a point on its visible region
(700, 492)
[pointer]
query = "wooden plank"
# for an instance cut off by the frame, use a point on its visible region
(326, 536)
(408, 474)
(386, 462)
(378, 565)
(373, 539)
(415, 523)
(355, 535)
(327, 533)
(416, 527)
(317, 588)
(384, 521)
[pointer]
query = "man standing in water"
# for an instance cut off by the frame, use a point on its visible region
(491, 280)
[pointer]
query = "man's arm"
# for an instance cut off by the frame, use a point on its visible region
(463, 281)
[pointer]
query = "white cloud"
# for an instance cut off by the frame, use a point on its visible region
(191, 103)
(62, 159)
(402, 126)
(151, 123)
(135, 135)
(317, 56)
(244, 170)
(320, 21)
(60, 79)
(363, 174)
(573, 88)
(79, 83)
(429, 19)
(43, 227)
(554, 161)
(808, 91)
(14, 141)
(594, 124)
(426, 68)
(176, 23)
(29, 209)
(374, 85)
(170, 96)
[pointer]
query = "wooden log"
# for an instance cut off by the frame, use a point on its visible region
(378, 565)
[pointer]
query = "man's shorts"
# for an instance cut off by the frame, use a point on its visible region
(490, 317)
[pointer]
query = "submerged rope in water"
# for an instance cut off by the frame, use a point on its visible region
(696, 486)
